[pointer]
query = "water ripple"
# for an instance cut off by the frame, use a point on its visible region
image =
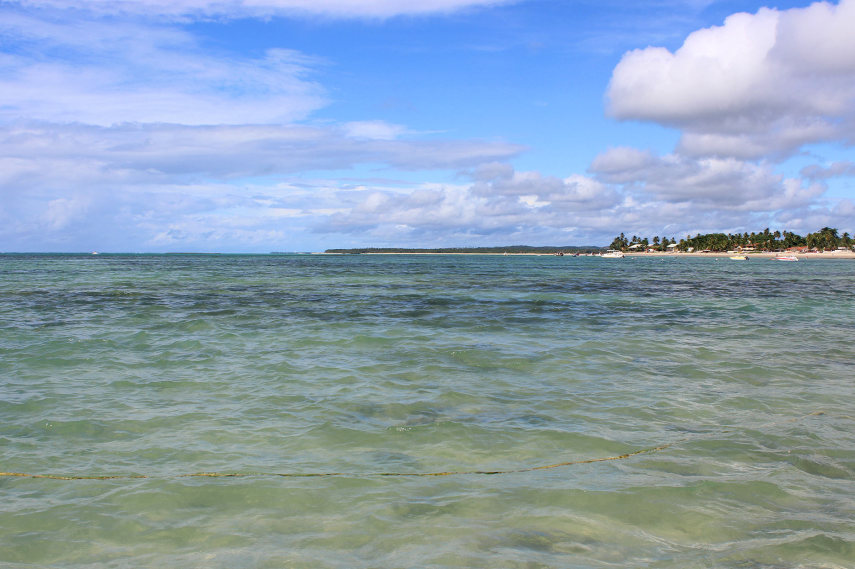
(169, 365)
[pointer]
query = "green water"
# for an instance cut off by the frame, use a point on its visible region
(729, 385)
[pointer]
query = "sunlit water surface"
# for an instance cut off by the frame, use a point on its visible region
(729, 385)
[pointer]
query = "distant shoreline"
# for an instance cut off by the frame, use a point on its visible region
(677, 255)
(753, 255)
(725, 255)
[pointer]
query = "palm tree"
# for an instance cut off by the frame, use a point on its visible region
(619, 243)
(826, 238)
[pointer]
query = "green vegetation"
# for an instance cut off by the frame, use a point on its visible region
(823, 240)
(513, 249)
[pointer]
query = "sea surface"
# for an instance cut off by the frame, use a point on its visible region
(367, 411)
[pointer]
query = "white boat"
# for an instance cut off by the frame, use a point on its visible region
(612, 254)
(785, 258)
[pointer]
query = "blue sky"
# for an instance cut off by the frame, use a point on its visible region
(293, 125)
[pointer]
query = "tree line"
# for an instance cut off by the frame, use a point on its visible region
(825, 239)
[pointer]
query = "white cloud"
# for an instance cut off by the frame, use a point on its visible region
(833, 170)
(373, 130)
(622, 164)
(707, 183)
(717, 71)
(633, 191)
(744, 95)
(493, 170)
(254, 8)
(809, 219)
(157, 186)
(138, 209)
(574, 193)
(762, 84)
(528, 205)
(464, 215)
(46, 155)
(63, 211)
(104, 73)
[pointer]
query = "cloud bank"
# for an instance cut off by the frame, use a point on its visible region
(118, 127)
(744, 96)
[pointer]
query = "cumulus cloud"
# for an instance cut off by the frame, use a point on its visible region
(576, 192)
(622, 164)
(839, 215)
(744, 95)
(761, 85)
(663, 196)
(708, 183)
(499, 202)
(255, 8)
(157, 186)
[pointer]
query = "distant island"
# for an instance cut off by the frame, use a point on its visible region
(826, 239)
(510, 250)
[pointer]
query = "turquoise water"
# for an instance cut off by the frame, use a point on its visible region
(729, 385)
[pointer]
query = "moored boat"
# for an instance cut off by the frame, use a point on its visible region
(785, 258)
(612, 254)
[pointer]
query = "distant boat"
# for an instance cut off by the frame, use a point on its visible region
(612, 254)
(785, 258)
(739, 257)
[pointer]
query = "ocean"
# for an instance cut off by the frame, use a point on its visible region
(422, 411)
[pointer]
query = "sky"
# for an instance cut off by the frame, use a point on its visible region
(251, 126)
